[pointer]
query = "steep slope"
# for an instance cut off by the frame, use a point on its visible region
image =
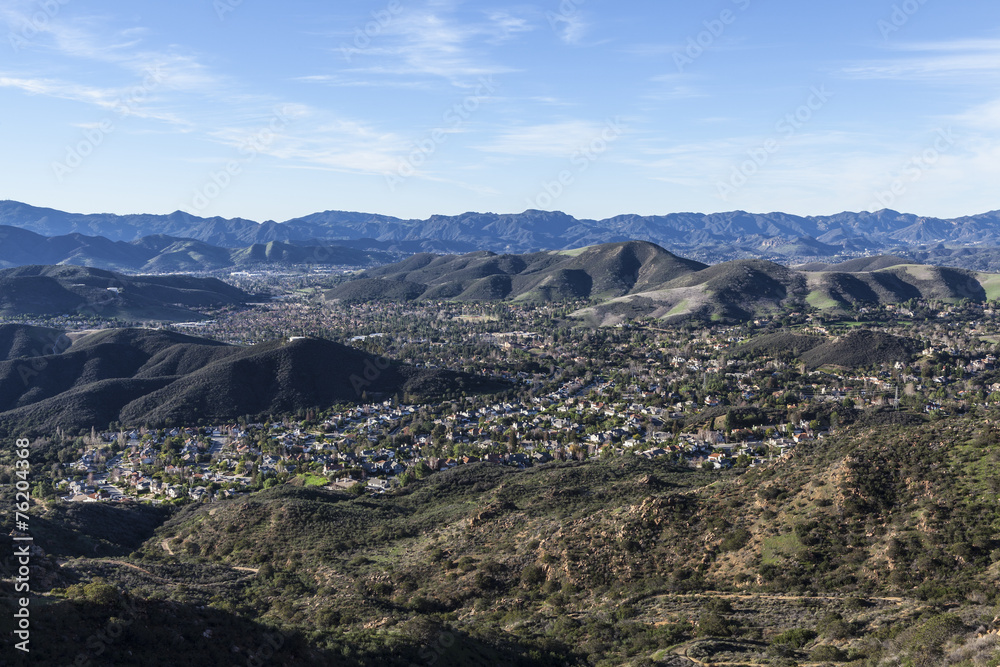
(896, 284)
(872, 533)
(595, 272)
(862, 348)
(731, 291)
(858, 265)
(136, 377)
(26, 341)
(67, 290)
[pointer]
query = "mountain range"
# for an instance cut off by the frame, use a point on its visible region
(50, 379)
(168, 254)
(706, 236)
(641, 279)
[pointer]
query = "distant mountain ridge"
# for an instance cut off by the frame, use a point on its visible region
(167, 254)
(778, 234)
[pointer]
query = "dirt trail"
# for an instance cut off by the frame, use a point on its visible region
(772, 596)
(251, 570)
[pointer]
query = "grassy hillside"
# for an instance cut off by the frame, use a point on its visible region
(858, 265)
(746, 289)
(638, 279)
(594, 272)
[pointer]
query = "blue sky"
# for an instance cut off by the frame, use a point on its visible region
(416, 107)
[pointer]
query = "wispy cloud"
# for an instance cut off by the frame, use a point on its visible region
(957, 61)
(92, 38)
(433, 41)
(342, 81)
(124, 101)
(148, 83)
(311, 137)
(981, 117)
(571, 28)
(552, 139)
(505, 25)
(672, 86)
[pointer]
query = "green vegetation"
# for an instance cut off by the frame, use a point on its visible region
(821, 300)
(639, 279)
(642, 546)
(805, 487)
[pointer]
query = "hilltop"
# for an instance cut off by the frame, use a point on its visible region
(141, 377)
(640, 279)
(73, 290)
(858, 264)
(600, 271)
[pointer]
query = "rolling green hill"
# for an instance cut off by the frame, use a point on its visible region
(746, 289)
(858, 265)
(638, 279)
(596, 272)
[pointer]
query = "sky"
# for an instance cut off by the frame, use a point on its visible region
(261, 110)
